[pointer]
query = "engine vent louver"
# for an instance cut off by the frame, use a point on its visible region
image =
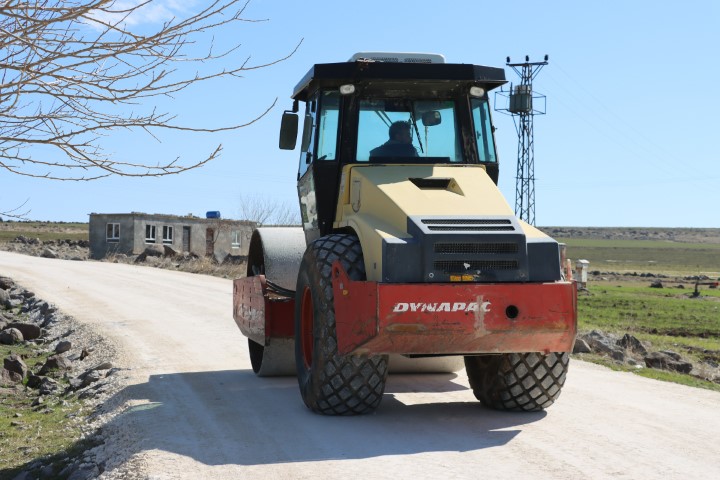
(468, 225)
(476, 248)
(473, 221)
(464, 228)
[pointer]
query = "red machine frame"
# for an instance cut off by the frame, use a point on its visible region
(424, 319)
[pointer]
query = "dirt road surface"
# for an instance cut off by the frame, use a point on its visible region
(193, 409)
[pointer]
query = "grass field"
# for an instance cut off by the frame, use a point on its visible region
(662, 318)
(653, 312)
(43, 230)
(671, 258)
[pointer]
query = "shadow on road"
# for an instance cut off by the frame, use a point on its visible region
(234, 417)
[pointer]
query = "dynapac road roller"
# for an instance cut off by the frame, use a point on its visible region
(408, 252)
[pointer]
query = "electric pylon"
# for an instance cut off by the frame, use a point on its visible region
(524, 104)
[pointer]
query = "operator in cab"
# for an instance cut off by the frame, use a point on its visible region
(400, 143)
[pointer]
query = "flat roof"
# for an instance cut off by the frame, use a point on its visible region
(178, 218)
(332, 75)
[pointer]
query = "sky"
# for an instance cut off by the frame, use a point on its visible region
(628, 138)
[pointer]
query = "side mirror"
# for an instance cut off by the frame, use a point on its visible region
(288, 131)
(431, 118)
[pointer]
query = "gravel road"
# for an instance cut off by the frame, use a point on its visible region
(193, 409)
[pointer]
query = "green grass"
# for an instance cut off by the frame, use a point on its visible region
(647, 256)
(43, 230)
(665, 318)
(659, 311)
(28, 432)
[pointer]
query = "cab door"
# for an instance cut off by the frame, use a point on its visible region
(318, 170)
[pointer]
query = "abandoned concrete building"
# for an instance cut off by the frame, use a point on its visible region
(132, 233)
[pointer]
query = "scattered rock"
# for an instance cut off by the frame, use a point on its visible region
(152, 251)
(104, 366)
(49, 253)
(14, 363)
(91, 377)
(674, 355)
(9, 379)
(48, 386)
(86, 471)
(633, 344)
(28, 330)
(63, 346)
(6, 283)
(56, 362)
(46, 308)
(656, 284)
(34, 381)
(11, 336)
(663, 361)
(618, 355)
(4, 299)
(600, 342)
(47, 471)
(581, 346)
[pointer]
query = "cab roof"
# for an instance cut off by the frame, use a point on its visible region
(332, 75)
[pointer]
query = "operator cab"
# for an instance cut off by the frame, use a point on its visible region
(351, 109)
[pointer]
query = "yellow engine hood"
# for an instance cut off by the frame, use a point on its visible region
(375, 201)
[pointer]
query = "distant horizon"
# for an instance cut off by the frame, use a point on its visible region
(11, 220)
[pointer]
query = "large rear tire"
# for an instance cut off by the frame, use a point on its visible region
(330, 383)
(517, 381)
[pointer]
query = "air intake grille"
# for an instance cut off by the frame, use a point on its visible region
(476, 248)
(461, 221)
(463, 228)
(468, 225)
(474, 265)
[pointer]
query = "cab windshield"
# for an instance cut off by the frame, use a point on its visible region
(406, 130)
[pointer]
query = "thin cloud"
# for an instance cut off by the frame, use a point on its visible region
(155, 12)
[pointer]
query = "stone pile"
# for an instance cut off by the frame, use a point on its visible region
(26, 319)
(628, 350)
(63, 249)
(75, 363)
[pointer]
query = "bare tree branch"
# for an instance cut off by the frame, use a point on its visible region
(18, 213)
(264, 210)
(71, 71)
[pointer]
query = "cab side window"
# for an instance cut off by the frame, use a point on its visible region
(306, 149)
(328, 128)
(320, 130)
(483, 131)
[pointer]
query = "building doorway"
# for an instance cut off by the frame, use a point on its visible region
(186, 239)
(209, 242)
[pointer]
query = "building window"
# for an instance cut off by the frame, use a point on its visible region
(150, 234)
(167, 234)
(235, 239)
(113, 232)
